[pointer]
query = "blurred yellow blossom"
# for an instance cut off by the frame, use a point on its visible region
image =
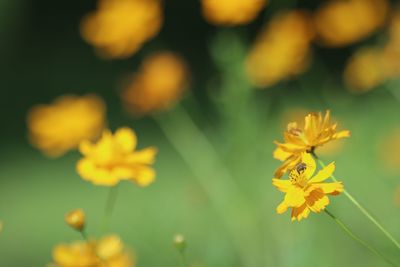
(317, 131)
(365, 70)
(76, 219)
(114, 158)
(305, 192)
(118, 28)
(281, 50)
(231, 12)
(342, 22)
(389, 150)
(106, 252)
(160, 82)
(58, 127)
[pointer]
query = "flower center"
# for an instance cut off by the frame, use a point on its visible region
(296, 175)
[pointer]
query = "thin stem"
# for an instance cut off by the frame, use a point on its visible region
(361, 208)
(183, 259)
(359, 240)
(211, 173)
(109, 207)
(84, 235)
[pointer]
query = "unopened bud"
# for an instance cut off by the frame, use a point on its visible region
(76, 219)
(180, 242)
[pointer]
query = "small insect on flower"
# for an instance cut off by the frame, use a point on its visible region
(114, 158)
(316, 132)
(305, 192)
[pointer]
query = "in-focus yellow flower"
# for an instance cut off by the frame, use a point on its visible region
(62, 125)
(118, 28)
(231, 12)
(342, 22)
(106, 252)
(76, 219)
(281, 50)
(114, 158)
(305, 192)
(317, 131)
(159, 84)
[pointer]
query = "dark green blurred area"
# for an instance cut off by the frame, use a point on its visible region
(43, 56)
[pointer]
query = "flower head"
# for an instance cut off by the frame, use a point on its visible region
(76, 219)
(118, 28)
(281, 50)
(114, 158)
(60, 126)
(231, 12)
(317, 131)
(108, 251)
(305, 192)
(160, 82)
(339, 23)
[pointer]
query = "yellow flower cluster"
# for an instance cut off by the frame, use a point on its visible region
(316, 131)
(114, 158)
(118, 28)
(371, 66)
(160, 82)
(305, 192)
(281, 50)
(231, 12)
(58, 127)
(106, 252)
(342, 22)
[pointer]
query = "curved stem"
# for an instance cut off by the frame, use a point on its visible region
(359, 240)
(362, 209)
(109, 207)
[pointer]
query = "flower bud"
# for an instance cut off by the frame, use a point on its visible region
(180, 243)
(76, 219)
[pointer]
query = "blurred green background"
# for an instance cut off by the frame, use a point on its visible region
(43, 56)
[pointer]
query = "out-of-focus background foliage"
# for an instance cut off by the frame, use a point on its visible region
(44, 56)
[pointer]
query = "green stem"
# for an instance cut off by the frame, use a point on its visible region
(359, 240)
(210, 172)
(362, 209)
(109, 207)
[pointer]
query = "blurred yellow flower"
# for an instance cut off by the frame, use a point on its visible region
(365, 70)
(58, 127)
(342, 22)
(114, 158)
(305, 193)
(389, 150)
(231, 12)
(118, 28)
(76, 219)
(106, 252)
(317, 131)
(281, 50)
(159, 83)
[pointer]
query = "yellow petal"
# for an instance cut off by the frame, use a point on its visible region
(280, 154)
(324, 174)
(282, 207)
(300, 212)
(342, 134)
(294, 197)
(144, 176)
(126, 139)
(85, 147)
(317, 200)
(307, 159)
(144, 156)
(289, 164)
(282, 185)
(89, 171)
(331, 188)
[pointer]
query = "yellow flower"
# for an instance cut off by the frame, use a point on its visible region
(76, 219)
(114, 158)
(231, 12)
(339, 23)
(62, 125)
(118, 28)
(305, 193)
(365, 70)
(281, 50)
(159, 83)
(107, 252)
(317, 131)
